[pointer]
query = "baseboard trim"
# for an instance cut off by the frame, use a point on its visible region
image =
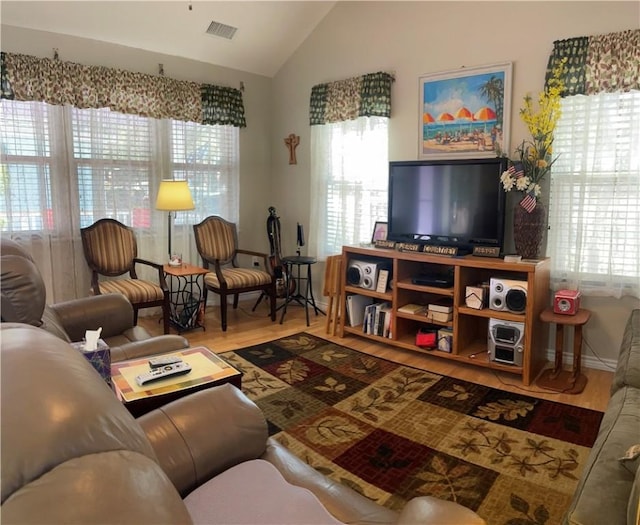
(588, 361)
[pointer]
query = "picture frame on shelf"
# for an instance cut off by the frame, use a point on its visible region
(465, 113)
(380, 230)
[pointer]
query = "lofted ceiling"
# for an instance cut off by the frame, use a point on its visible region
(268, 32)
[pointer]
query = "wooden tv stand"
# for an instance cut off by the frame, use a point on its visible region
(469, 326)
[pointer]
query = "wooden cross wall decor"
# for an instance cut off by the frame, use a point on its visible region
(292, 142)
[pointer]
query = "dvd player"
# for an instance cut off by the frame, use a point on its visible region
(437, 281)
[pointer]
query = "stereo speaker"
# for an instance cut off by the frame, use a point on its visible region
(505, 341)
(507, 295)
(364, 274)
(566, 302)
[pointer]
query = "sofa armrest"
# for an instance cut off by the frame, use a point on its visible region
(112, 312)
(202, 434)
(342, 502)
(628, 367)
(430, 510)
(160, 344)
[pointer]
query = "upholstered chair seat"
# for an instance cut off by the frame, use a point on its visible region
(239, 278)
(137, 290)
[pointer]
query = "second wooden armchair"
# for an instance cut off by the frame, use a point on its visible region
(217, 243)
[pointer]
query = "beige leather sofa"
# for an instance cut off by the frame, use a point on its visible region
(24, 301)
(72, 454)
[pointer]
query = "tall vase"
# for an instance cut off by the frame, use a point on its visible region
(528, 230)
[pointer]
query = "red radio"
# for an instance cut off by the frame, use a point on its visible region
(566, 302)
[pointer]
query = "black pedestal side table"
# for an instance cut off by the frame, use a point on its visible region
(187, 298)
(303, 300)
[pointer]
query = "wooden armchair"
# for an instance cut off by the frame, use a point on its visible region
(110, 250)
(217, 244)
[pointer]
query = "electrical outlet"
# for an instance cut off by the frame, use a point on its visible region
(256, 261)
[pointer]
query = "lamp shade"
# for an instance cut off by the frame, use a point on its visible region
(174, 195)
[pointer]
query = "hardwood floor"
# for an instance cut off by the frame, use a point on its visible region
(247, 328)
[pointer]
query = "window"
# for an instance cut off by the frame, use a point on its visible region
(63, 168)
(26, 167)
(594, 240)
(208, 157)
(349, 171)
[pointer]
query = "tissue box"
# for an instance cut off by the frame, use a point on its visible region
(99, 358)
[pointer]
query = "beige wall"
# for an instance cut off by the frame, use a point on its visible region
(410, 39)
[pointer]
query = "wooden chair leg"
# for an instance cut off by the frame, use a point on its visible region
(135, 316)
(272, 302)
(235, 301)
(166, 316)
(223, 312)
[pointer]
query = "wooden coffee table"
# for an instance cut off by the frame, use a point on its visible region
(208, 370)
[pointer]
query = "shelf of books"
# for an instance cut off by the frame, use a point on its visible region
(440, 305)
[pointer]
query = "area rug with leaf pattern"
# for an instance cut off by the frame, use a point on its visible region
(393, 432)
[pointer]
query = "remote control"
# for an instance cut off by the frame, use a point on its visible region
(163, 372)
(157, 362)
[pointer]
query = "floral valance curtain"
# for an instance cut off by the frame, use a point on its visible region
(364, 96)
(58, 82)
(598, 64)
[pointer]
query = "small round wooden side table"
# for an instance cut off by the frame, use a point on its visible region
(566, 381)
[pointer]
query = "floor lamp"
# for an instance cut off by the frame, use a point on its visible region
(173, 195)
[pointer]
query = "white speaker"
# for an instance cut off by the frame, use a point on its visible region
(507, 295)
(363, 273)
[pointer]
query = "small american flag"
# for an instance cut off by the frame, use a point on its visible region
(516, 170)
(529, 202)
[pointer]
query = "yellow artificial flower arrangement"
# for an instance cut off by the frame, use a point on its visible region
(535, 155)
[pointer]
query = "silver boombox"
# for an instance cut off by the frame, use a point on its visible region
(505, 341)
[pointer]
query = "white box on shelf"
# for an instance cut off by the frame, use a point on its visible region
(383, 280)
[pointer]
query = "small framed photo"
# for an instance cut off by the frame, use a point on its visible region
(379, 232)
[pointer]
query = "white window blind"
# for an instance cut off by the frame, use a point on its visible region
(349, 177)
(63, 168)
(114, 161)
(26, 168)
(208, 157)
(594, 240)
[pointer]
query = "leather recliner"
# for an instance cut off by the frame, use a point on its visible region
(71, 453)
(23, 296)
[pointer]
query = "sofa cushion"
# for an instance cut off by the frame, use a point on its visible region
(605, 478)
(628, 368)
(240, 496)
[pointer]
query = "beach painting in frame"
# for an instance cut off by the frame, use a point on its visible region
(465, 112)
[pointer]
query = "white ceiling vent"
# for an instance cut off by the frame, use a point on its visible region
(222, 30)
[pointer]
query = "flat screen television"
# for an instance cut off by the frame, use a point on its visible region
(457, 203)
